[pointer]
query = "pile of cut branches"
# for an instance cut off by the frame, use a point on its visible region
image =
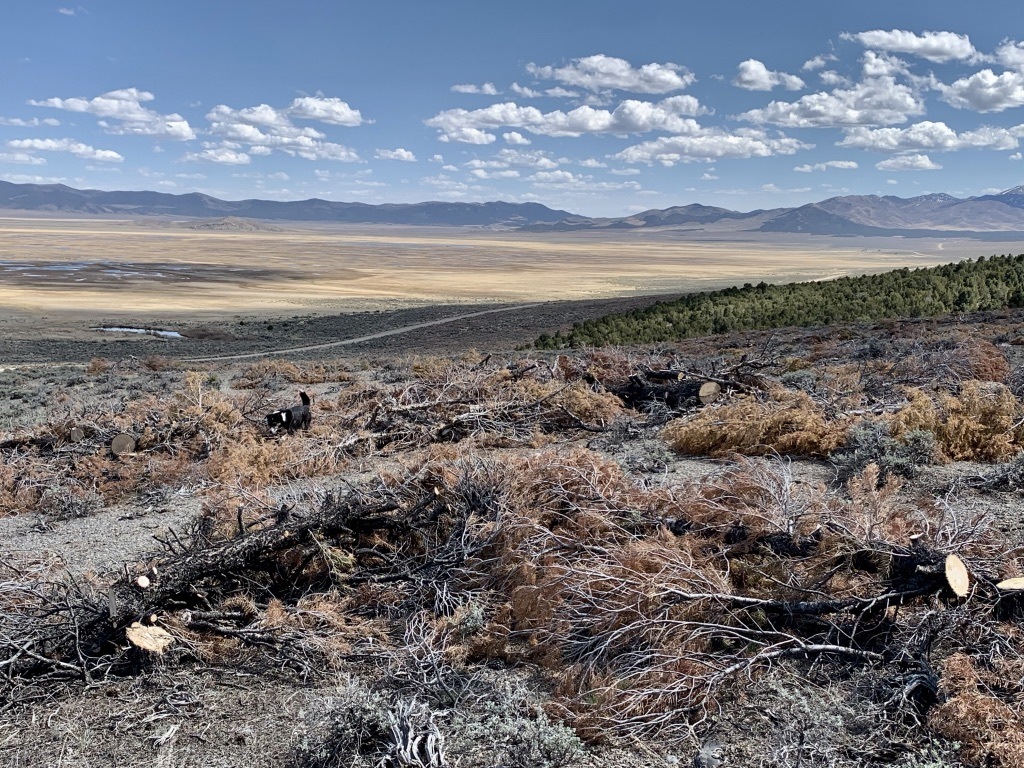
(643, 605)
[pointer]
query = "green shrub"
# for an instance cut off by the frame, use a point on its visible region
(870, 442)
(345, 730)
(512, 731)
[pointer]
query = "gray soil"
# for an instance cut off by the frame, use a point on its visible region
(102, 542)
(487, 330)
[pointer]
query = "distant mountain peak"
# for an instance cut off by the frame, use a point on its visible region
(934, 197)
(1018, 190)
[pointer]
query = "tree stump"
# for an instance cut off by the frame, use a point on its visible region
(122, 444)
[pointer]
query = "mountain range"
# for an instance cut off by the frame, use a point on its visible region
(63, 199)
(933, 214)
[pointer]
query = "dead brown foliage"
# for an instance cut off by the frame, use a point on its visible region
(984, 361)
(982, 710)
(642, 628)
(786, 423)
(982, 422)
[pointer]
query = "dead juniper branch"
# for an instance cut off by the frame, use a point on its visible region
(453, 402)
(51, 626)
(655, 625)
(421, 663)
(416, 740)
(43, 620)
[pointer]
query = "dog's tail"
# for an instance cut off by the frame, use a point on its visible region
(304, 398)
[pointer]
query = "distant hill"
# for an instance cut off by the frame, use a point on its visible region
(680, 216)
(815, 219)
(992, 213)
(849, 215)
(231, 224)
(60, 198)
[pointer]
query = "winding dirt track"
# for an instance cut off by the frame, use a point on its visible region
(359, 339)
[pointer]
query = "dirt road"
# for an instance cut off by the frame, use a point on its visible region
(361, 339)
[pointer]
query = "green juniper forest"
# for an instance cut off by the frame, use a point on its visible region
(967, 286)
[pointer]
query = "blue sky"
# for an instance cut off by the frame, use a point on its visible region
(601, 108)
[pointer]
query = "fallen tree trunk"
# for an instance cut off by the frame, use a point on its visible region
(139, 595)
(666, 387)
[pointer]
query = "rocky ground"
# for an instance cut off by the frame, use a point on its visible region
(382, 408)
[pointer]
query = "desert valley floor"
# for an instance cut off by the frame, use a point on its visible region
(61, 278)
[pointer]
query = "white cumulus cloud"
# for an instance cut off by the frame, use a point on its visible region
(327, 110)
(524, 91)
(604, 73)
(933, 136)
(832, 78)
(883, 65)
(487, 89)
(939, 47)
(526, 157)
(875, 101)
(1011, 54)
(818, 62)
(396, 154)
(710, 144)
(76, 148)
(266, 129)
(514, 137)
(908, 163)
(481, 173)
(753, 75)
(670, 115)
(558, 92)
(508, 157)
(21, 158)
(124, 106)
(846, 165)
(32, 122)
(985, 91)
(219, 155)
(579, 182)
(24, 178)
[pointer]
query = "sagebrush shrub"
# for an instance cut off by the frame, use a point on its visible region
(512, 731)
(350, 727)
(870, 442)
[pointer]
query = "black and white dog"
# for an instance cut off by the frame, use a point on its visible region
(296, 417)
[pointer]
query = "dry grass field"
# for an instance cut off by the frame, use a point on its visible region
(62, 274)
